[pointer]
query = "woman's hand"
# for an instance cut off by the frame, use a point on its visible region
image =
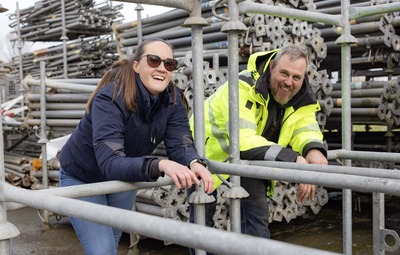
(183, 177)
(204, 174)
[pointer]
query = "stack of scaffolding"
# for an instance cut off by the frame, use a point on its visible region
(377, 45)
(65, 102)
(376, 55)
(88, 35)
(168, 26)
(65, 99)
(43, 21)
(374, 102)
(86, 58)
(5, 69)
(17, 170)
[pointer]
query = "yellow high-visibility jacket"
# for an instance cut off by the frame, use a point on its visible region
(299, 129)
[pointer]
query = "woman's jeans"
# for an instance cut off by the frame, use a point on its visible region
(97, 239)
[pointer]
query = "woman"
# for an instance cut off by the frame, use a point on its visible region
(133, 109)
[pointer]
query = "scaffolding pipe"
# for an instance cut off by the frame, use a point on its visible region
(43, 139)
(233, 27)
(139, 10)
(94, 189)
(364, 155)
(251, 7)
(61, 85)
(8, 230)
(345, 40)
(59, 106)
(196, 23)
(358, 12)
(21, 73)
(182, 233)
(345, 181)
(161, 18)
(64, 38)
(54, 122)
(76, 97)
(186, 5)
(359, 171)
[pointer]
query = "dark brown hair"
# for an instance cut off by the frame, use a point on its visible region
(123, 75)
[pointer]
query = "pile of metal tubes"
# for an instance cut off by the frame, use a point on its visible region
(43, 21)
(65, 102)
(378, 40)
(17, 169)
(5, 68)
(168, 26)
(6, 90)
(372, 102)
(86, 58)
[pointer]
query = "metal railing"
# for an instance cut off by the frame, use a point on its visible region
(186, 234)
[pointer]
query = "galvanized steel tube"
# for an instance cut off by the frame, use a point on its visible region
(252, 7)
(186, 234)
(345, 181)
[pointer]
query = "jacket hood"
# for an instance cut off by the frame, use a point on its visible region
(258, 65)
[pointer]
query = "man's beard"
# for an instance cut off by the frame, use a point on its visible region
(282, 100)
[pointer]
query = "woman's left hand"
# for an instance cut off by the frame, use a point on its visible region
(183, 177)
(204, 174)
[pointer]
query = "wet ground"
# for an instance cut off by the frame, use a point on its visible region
(322, 231)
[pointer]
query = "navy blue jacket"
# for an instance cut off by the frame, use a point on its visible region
(112, 143)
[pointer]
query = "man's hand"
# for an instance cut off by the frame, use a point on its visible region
(305, 190)
(315, 156)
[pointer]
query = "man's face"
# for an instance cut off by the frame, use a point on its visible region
(286, 78)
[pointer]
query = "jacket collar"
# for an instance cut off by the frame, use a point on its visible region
(144, 96)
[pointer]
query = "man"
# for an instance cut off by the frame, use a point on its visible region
(277, 122)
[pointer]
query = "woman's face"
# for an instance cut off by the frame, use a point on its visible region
(155, 79)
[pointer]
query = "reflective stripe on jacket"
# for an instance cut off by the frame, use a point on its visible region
(299, 130)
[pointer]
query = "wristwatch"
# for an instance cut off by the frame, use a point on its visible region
(200, 161)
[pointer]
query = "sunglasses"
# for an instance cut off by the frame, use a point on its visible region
(154, 61)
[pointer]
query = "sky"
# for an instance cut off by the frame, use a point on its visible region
(128, 11)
